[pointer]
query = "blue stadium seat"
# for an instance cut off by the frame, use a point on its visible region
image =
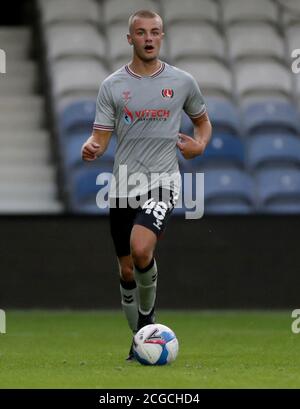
(224, 115)
(279, 191)
(83, 189)
(71, 151)
(271, 116)
(228, 191)
(78, 117)
(272, 150)
(224, 148)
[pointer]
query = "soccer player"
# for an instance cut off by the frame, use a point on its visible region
(142, 103)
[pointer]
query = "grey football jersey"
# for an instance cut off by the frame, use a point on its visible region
(145, 114)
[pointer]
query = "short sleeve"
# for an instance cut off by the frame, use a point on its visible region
(105, 111)
(194, 104)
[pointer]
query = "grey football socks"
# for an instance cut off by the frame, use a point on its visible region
(146, 280)
(129, 302)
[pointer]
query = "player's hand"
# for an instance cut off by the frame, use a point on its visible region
(189, 147)
(90, 151)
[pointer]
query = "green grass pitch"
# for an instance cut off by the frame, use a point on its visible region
(46, 349)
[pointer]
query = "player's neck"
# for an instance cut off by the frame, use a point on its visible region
(144, 68)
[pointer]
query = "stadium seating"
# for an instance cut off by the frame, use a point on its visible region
(225, 146)
(228, 191)
(16, 42)
(266, 78)
(77, 77)
(76, 123)
(245, 41)
(272, 116)
(75, 40)
(77, 117)
(71, 151)
(239, 53)
(69, 11)
(190, 11)
(28, 179)
(213, 77)
(273, 150)
(224, 149)
(297, 84)
(119, 10)
(20, 79)
(224, 116)
(279, 191)
(292, 35)
(22, 113)
(84, 186)
(291, 12)
(191, 40)
(117, 42)
(235, 11)
(117, 64)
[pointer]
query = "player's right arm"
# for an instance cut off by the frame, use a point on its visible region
(96, 145)
(103, 126)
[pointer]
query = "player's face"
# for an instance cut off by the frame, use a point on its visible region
(146, 36)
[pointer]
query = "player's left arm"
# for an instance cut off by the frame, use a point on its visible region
(192, 147)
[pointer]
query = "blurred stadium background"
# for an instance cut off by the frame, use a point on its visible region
(55, 245)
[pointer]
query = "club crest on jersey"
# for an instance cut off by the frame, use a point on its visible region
(167, 93)
(128, 116)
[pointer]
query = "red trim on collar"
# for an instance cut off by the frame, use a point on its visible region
(137, 76)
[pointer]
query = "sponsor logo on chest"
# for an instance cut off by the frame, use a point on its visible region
(145, 115)
(148, 114)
